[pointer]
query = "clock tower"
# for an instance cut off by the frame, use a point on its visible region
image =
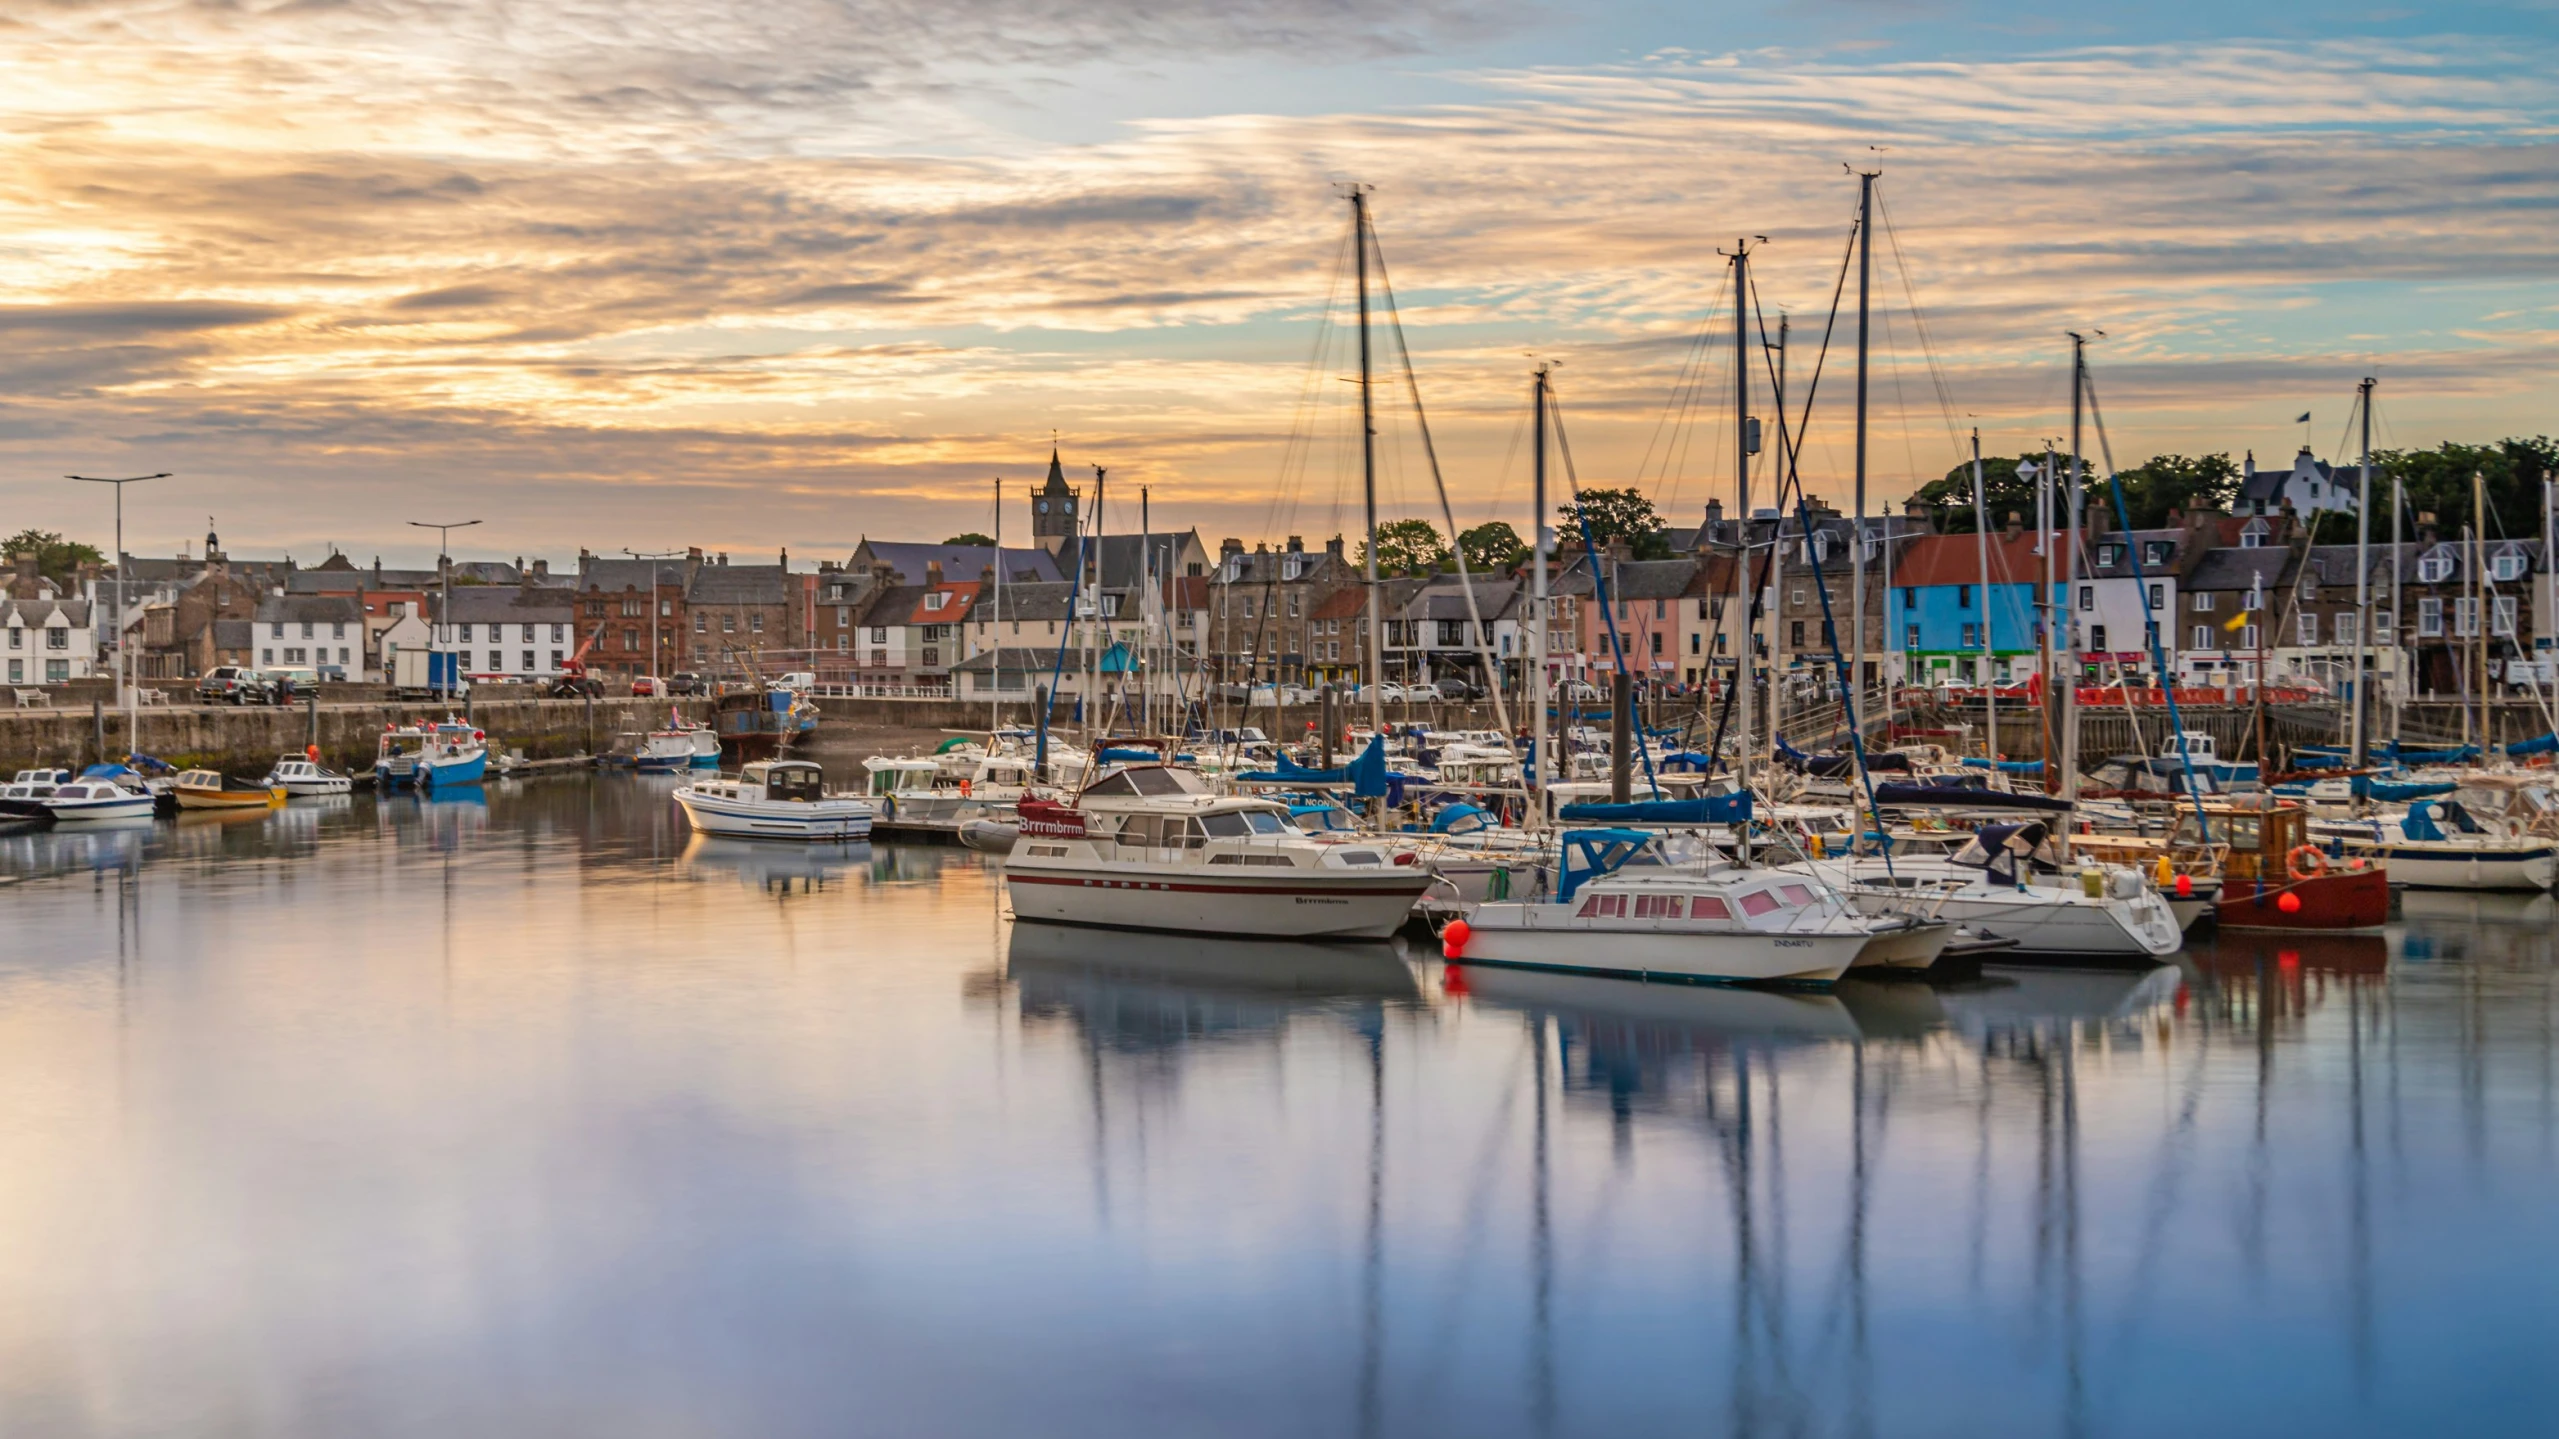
(1053, 509)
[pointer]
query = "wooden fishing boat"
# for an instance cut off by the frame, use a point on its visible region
(209, 789)
(2272, 877)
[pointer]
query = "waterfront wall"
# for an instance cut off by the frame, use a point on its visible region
(247, 738)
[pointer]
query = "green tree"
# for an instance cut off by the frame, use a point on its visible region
(2151, 489)
(1491, 548)
(1406, 547)
(1618, 515)
(971, 538)
(2438, 482)
(57, 559)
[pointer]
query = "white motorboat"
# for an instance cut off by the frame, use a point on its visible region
(302, 777)
(97, 798)
(24, 796)
(1621, 910)
(774, 799)
(1993, 886)
(1149, 847)
(2438, 844)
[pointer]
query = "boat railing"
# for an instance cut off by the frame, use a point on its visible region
(883, 692)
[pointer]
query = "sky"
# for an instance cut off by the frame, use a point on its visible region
(778, 274)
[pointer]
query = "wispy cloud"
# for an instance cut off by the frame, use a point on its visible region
(319, 253)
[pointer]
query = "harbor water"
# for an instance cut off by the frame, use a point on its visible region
(524, 1111)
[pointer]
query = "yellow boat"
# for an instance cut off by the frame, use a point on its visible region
(207, 789)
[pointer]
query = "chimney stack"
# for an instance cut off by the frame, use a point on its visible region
(933, 573)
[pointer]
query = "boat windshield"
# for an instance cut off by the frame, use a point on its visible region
(1759, 901)
(1265, 822)
(1151, 781)
(2239, 831)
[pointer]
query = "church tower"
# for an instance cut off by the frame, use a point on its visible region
(1053, 509)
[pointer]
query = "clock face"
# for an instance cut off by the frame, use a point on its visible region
(1044, 507)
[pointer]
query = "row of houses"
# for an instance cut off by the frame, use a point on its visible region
(2217, 596)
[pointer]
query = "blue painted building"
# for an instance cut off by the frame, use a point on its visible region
(1937, 609)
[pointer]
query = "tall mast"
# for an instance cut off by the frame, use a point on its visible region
(2398, 615)
(1857, 549)
(2479, 588)
(1368, 467)
(2363, 581)
(1542, 544)
(1744, 673)
(995, 630)
(1093, 626)
(1989, 661)
(2046, 611)
(2070, 578)
(1146, 612)
(1741, 486)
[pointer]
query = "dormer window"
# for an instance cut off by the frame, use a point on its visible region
(2252, 536)
(1293, 567)
(2435, 569)
(2154, 552)
(936, 600)
(2108, 556)
(2508, 567)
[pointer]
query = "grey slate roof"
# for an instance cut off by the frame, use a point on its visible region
(960, 563)
(741, 585)
(40, 614)
(1446, 600)
(233, 634)
(316, 609)
(504, 604)
(1119, 557)
(616, 575)
(2232, 568)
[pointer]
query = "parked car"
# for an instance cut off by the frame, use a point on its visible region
(1459, 690)
(647, 687)
(1581, 692)
(686, 682)
(796, 681)
(286, 686)
(232, 684)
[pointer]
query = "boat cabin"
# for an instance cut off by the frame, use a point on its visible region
(786, 779)
(2251, 843)
(902, 776)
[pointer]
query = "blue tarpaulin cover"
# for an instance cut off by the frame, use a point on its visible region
(2545, 744)
(2008, 766)
(1715, 809)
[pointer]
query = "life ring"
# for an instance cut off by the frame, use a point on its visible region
(2293, 861)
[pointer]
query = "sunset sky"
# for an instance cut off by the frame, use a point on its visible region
(762, 273)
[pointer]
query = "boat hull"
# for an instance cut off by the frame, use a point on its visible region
(464, 769)
(137, 806)
(2340, 900)
(1634, 951)
(2055, 931)
(771, 819)
(233, 799)
(1916, 947)
(1299, 904)
(2428, 867)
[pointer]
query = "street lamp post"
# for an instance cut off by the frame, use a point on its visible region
(654, 557)
(124, 685)
(444, 563)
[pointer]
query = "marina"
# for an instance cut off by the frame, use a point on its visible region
(2285, 1168)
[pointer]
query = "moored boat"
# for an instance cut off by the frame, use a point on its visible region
(774, 799)
(1149, 847)
(301, 776)
(431, 755)
(211, 789)
(2438, 844)
(98, 798)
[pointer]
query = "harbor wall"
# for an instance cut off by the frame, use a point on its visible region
(246, 739)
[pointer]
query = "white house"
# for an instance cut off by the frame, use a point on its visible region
(510, 632)
(2129, 585)
(2311, 485)
(47, 641)
(402, 631)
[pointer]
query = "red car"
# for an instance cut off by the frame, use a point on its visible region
(648, 686)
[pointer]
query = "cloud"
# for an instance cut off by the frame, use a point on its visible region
(325, 246)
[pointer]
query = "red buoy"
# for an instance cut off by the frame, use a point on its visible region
(1452, 940)
(2185, 886)
(2289, 902)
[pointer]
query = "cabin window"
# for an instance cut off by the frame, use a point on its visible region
(1796, 893)
(1758, 901)
(1657, 906)
(1144, 830)
(1221, 826)
(1603, 906)
(1707, 906)
(1265, 822)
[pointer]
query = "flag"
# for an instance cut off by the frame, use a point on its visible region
(2305, 418)
(2235, 622)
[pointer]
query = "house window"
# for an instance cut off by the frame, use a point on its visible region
(57, 639)
(2203, 638)
(2248, 637)
(879, 634)
(555, 659)
(296, 656)
(56, 671)
(1658, 612)
(558, 634)
(2465, 616)
(528, 659)
(630, 639)
(2201, 603)
(17, 671)
(936, 600)
(266, 657)
(2158, 598)
(2308, 626)
(2154, 552)
(2508, 567)
(844, 616)
(2429, 618)
(2349, 627)
(932, 655)
(1292, 606)
(728, 624)
(843, 643)
(279, 630)
(17, 638)
(337, 629)
(1795, 596)
(2097, 638)
(1795, 634)
(701, 624)
(2109, 555)
(1657, 644)
(2088, 597)
(2252, 536)
(755, 622)
(2501, 614)
(2434, 569)
(1972, 637)
(310, 631)
(880, 658)
(1695, 640)
(1963, 597)
(1910, 638)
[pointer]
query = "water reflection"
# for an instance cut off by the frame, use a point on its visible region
(403, 1115)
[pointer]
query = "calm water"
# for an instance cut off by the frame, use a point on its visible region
(538, 1116)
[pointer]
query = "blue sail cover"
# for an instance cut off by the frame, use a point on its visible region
(1367, 774)
(1715, 809)
(2462, 755)
(1960, 797)
(2401, 791)
(2546, 744)
(2007, 766)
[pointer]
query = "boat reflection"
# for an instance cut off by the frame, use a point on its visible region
(1058, 959)
(2249, 952)
(2046, 1004)
(778, 868)
(1700, 1013)
(90, 846)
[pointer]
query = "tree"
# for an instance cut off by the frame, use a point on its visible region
(971, 538)
(2438, 482)
(1491, 548)
(1407, 547)
(2151, 489)
(1618, 515)
(57, 559)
